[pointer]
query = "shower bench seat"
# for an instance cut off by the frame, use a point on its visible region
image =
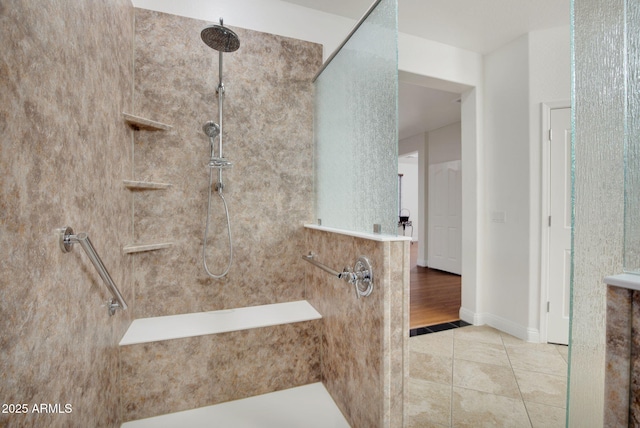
(308, 406)
(185, 363)
(169, 327)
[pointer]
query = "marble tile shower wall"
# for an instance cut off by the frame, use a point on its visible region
(622, 373)
(268, 126)
(364, 341)
(217, 368)
(65, 78)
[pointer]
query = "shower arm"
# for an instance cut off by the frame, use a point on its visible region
(220, 92)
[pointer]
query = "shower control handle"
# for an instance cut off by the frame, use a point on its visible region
(348, 275)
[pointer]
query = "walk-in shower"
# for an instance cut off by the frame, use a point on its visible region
(223, 40)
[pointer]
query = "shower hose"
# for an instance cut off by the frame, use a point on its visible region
(206, 231)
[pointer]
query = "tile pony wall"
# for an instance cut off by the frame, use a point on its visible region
(66, 73)
(364, 346)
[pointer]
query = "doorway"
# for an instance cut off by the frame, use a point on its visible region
(431, 143)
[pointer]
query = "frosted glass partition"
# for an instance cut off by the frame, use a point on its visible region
(356, 131)
(632, 141)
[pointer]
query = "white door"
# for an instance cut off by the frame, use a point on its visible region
(559, 226)
(445, 220)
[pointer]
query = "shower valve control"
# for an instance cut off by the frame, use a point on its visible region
(361, 276)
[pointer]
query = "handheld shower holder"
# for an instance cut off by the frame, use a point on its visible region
(220, 163)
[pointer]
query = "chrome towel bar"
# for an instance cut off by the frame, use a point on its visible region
(361, 276)
(67, 239)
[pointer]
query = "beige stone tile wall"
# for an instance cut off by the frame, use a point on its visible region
(267, 124)
(65, 78)
(364, 342)
(182, 374)
(622, 372)
(618, 364)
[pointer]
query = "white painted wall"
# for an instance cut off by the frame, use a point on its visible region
(518, 77)
(410, 195)
(445, 143)
(437, 65)
(506, 151)
(411, 145)
(550, 81)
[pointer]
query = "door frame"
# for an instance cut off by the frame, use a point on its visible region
(546, 108)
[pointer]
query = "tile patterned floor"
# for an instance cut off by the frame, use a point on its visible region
(480, 377)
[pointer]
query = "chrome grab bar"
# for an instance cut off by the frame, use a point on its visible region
(342, 275)
(67, 239)
(361, 276)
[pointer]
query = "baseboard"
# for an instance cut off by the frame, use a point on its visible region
(422, 262)
(502, 324)
(470, 316)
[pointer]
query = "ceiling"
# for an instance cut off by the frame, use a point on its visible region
(476, 25)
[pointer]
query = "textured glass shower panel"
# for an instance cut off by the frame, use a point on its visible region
(632, 143)
(356, 131)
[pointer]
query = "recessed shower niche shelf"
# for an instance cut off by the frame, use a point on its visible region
(140, 123)
(145, 185)
(140, 248)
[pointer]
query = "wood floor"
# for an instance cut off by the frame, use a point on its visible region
(435, 295)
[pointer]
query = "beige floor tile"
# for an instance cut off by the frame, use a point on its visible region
(422, 421)
(428, 402)
(480, 333)
(483, 377)
(543, 416)
(490, 353)
(480, 409)
(508, 339)
(542, 388)
(434, 368)
(533, 357)
(440, 343)
(490, 374)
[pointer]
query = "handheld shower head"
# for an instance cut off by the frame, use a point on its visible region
(211, 129)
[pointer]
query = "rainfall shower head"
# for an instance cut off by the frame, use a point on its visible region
(220, 38)
(211, 129)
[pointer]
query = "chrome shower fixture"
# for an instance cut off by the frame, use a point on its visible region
(220, 38)
(211, 129)
(220, 163)
(223, 40)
